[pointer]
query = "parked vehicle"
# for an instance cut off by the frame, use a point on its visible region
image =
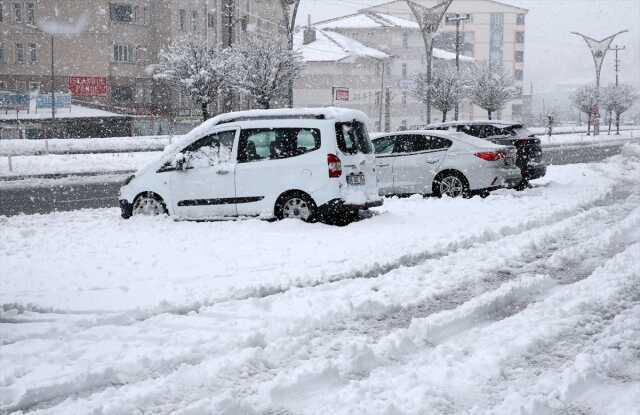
(442, 163)
(270, 163)
(529, 149)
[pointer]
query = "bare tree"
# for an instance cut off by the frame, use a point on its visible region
(447, 88)
(585, 100)
(200, 71)
(264, 69)
(491, 88)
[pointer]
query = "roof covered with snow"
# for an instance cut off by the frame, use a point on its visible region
(367, 20)
(330, 46)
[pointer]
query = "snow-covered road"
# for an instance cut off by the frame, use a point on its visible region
(523, 303)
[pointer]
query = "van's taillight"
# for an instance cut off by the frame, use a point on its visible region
(335, 165)
(491, 155)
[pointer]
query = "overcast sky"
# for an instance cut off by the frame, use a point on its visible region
(553, 56)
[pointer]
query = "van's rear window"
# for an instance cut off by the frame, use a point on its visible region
(353, 138)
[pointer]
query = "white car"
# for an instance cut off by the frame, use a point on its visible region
(268, 163)
(442, 163)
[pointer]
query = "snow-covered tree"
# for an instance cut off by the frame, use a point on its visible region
(448, 88)
(618, 99)
(264, 69)
(200, 71)
(585, 99)
(491, 88)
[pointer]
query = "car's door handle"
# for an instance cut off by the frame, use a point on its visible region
(384, 165)
(222, 172)
(432, 161)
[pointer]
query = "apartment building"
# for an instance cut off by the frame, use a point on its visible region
(495, 32)
(108, 56)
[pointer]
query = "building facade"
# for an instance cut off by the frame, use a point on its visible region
(495, 33)
(117, 43)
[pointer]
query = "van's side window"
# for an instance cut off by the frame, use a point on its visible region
(276, 143)
(210, 150)
(384, 145)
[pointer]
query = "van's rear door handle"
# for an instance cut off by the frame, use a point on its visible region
(384, 165)
(223, 172)
(432, 161)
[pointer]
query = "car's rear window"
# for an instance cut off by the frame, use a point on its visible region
(353, 137)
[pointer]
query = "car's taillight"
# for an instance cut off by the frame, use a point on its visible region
(335, 165)
(491, 155)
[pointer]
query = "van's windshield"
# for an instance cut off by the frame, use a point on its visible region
(353, 137)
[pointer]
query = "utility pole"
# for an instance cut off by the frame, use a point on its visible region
(458, 19)
(617, 49)
(429, 20)
(53, 83)
(384, 64)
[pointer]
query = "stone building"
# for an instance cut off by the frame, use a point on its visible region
(116, 43)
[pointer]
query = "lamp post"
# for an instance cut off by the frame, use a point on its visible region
(429, 19)
(458, 19)
(289, 14)
(599, 49)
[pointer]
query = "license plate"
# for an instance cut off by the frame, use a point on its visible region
(356, 179)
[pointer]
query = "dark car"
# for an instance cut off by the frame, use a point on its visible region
(528, 146)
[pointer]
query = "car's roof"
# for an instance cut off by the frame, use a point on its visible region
(321, 113)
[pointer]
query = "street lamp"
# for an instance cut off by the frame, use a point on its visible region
(429, 19)
(289, 14)
(458, 19)
(599, 49)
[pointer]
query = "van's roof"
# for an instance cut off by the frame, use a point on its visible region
(324, 113)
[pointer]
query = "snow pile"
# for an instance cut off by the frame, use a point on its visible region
(75, 111)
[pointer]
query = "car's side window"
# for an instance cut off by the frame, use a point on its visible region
(412, 143)
(276, 143)
(438, 143)
(210, 150)
(384, 145)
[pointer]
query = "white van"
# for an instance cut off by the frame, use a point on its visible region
(300, 163)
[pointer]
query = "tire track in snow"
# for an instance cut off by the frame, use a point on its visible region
(498, 279)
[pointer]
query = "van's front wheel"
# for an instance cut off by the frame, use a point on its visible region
(296, 205)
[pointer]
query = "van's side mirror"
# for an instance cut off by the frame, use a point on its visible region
(180, 161)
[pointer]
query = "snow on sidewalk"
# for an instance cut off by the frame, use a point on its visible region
(520, 303)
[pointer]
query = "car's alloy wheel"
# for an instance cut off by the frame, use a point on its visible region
(451, 186)
(147, 205)
(297, 208)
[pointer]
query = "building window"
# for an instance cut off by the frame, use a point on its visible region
(194, 22)
(519, 75)
(183, 20)
(212, 20)
(34, 86)
(405, 40)
(3, 57)
(519, 37)
(122, 13)
(520, 20)
(123, 53)
(17, 9)
(147, 16)
(30, 11)
(1, 13)
(19, 53)
(3, 85)
(33, 53)
(140, 54)
(404, 71)
(519, 56)
(403, 127)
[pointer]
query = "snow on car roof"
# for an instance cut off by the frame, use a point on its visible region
(468, 139)
(329, 113)
(476, 122)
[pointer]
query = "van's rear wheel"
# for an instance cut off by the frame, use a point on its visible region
(296, 205)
